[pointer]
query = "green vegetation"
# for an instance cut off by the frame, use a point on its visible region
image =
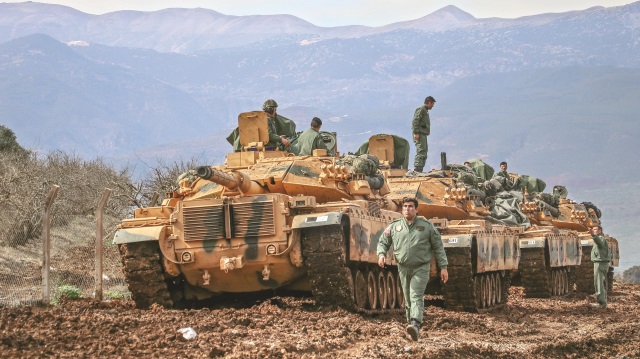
(67, 292)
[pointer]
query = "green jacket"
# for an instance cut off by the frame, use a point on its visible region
(413, 243)
(421, 123)
(274, 138)
(310, 140)
(600, 250)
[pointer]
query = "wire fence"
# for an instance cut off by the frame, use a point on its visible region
(72, 258)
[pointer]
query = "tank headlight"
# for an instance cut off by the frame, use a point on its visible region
(187, 257)
(271, 249)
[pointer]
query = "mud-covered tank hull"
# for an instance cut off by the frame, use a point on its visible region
(550, 258)
(584, 273)
(481, 258)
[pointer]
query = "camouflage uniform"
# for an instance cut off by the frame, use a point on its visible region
(310, 140)
(412, 247)
(600, 257)
(421, 125)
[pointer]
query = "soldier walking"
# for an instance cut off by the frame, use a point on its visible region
(600, 257)
(421, 128)
(414, 238)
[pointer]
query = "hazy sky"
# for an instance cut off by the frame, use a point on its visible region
(346, 12)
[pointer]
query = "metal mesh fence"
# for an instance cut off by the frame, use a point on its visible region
(72, 259)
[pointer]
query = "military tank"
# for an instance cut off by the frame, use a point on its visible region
(580, 217)
(264, 220)
(482, 252)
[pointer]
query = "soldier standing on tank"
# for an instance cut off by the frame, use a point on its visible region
(310, 139)
(414, 238)
(421, 128)
(271, 108)
(600, 257)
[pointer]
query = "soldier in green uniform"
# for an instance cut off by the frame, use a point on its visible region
(271, 108)
(310, 139)
(508, 182)
(421, 128)
(600, 257)
(413, 238)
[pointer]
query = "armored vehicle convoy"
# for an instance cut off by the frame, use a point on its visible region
(264, 220)
(482, 252)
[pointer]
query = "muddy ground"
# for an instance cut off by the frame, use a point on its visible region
(294, 327)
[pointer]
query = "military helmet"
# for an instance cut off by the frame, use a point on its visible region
(269, 105)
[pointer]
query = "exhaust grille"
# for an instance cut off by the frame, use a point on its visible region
(203, 223)
(207, 223)
(253, 219)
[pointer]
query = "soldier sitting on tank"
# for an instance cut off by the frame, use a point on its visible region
(506, 181)
(311, 139)
(275, 139)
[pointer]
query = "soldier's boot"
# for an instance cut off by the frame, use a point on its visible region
(413, 330)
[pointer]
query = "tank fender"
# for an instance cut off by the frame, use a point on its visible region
(142, 234)
(316, 220)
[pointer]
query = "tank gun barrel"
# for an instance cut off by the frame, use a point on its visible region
(233, 181)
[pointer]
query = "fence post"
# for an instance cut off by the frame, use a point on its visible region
(46, 244)
(103, 202)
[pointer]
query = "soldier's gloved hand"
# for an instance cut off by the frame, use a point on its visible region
(382, 261)
(285, 141)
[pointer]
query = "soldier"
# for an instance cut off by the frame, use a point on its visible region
(310, 139)
(508, 183)
(600, 257)
(421, 128)
(414, 238)
(271, 107)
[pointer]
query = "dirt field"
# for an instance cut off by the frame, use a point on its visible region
(294, 327)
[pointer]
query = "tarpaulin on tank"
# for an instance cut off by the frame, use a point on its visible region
(483, 170)
(284, 126)
(532, 184)
(400, 154)
(507, 210)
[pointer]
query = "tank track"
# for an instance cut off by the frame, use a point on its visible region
(467, 291)
(540, 281)
(330, 276)
(584, 273)
(144, 275)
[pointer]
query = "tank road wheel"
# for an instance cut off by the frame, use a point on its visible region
(399, 292)
(382, 289)
(391, 290)
(554, 283)
(498, 287)
(565, 282)
(483, 291)
(360, 284)
(372, 290)
(492, 290)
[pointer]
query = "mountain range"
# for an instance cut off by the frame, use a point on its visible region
(553, 94)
